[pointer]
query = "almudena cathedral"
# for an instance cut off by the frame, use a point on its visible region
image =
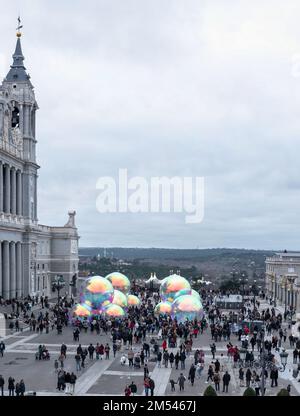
(31, 255)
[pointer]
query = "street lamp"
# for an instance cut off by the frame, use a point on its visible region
(254, 291)
(242, 282)
(243, 353)
(283, 358)
(58, 284)
(291, 280)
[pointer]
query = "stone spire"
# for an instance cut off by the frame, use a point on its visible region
(17, 72)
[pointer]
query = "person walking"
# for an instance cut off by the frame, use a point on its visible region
(192, 373)
(177, 359)
(146, 371)
(274, 377)
(295, 356)
(248, 377)
(147, 386)
(2, 348)
(171, 359)
(241, 377)
(68, 383)
(226, 380)
(61, 359)
(91, 350)
(213, 350)
(78, 361)
(159, 358)
(73, 379)
(180, 381)
(210, 374)
(130, 356)
(151, 386)
(115, 349)
(217, 380)
(107, 349)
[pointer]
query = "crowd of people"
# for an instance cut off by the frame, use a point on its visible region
(142, 337)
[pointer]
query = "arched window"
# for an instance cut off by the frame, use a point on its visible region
(15, 119)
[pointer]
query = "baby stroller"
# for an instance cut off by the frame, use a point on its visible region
(123, 360)
(46, 355)
(137, 362)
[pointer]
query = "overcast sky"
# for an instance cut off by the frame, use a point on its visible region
(166, 87)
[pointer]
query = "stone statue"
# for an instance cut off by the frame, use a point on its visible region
(71, 221)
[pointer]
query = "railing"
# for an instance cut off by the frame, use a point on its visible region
(11, 148)
(11, 218)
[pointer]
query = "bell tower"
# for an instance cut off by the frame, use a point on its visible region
(19, 131)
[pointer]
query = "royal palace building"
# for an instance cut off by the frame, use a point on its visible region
(31, 255)
(283, 279)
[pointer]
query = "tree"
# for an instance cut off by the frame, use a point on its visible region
(210, 391)
(283, 392)
(249, 392)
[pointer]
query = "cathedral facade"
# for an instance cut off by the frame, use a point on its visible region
(31, 255)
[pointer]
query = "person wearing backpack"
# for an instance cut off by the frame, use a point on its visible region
(133, 388)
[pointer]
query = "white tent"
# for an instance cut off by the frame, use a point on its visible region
(153, 281)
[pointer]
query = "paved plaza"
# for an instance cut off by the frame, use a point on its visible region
(109, 377)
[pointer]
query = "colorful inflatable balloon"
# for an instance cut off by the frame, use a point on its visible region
(82, 310)
(171, 285)
(114, 311)
(133, 300)
(183, 292)
(120, 299)
(119, 282)
(187, 307)
(163, 308)
(194, 293)
(99, 292)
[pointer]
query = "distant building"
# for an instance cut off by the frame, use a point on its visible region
(229, 301)
(31, 255)
(282, 280)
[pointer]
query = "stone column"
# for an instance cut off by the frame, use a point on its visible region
(7, 189)
(19, 287)
(1, 288)
(12, 263)
(5, 261)
(1, 187)
(13, 194)
(19, 193)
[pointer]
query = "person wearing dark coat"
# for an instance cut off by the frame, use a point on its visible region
(22, 387)
(2, 382)
(248, 377)
(192, 373)
(274, 377)
(11, 386)
(226, 380)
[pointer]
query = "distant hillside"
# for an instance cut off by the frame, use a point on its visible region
(173, 254)
(216, 263)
